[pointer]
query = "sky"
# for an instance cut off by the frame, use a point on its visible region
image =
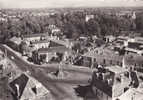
(68, 3)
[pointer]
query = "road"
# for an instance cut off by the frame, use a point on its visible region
(61, 89)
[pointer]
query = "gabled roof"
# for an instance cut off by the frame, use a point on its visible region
(35, 35)
(132, 58)
(15, 40)
(65, 42)
(59, 49)
(22, 81)
(5, 93)
(103, 52)
(54, 44)
(42, 41)
(116, 69)
(28, 87)
(61, 42)
(132, 94)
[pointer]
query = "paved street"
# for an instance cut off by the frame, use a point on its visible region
(60, 88)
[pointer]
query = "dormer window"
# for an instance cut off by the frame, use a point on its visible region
(1, 67)
(34, 89)
(100, 76)
(111, 62)
(118, 79)
(126, 74)
(104, 61)
(109, 81)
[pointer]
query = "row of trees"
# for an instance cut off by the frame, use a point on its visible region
(72, 24)
(100, 25)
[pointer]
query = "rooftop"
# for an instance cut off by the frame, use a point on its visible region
(26, 87)
(132, 58)
(5, 93)
(61, 42)
(43, 41)
(60, 49)
(66, 42)
(132, 94)
(123, 37)
(52, 43)
(35, 35)
(103, 52)
(15, 40)
(116, 69)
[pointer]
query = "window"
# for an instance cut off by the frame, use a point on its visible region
(104, 61)
(118, 79)
(34, 89)
(135, 64)
(94, 59)
(107, 97)
(9, 74)
(125, 89)
(110, 61)
(121, 64)
(126, 74)
(1, 67)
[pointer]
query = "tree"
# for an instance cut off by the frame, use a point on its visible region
(139, 22)
(23, 48)
(93, 27)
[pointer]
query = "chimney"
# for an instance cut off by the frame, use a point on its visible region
(17, 89)
(123, 63)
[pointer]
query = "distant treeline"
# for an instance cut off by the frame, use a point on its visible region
(72, 24)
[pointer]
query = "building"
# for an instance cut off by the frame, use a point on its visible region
(110, 38)
(5, 66)
(14, 43)
(134, 45)
(25, 87)
(5, 93)
(44, 44)
(53, 53)
(102, 56)
(133, 15)
(25, 49)
(2, 19)
(40, 44)
(134, 60)
(34, 37)
(110, 82)
(127, 14)
(132, 94)
(1, 38)
(56, 32)
(88, 17)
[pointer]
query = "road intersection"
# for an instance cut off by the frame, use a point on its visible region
(61, 89)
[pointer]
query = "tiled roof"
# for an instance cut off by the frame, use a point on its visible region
(22, 82)
(61, 42)
(132, 94)
(52, 43)
(26, 84)
(34, 35)
(131, 59)
(5, 93)
(42, 41)
(116, 69)
(103, 52)
(60, 49)
(15, 40)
